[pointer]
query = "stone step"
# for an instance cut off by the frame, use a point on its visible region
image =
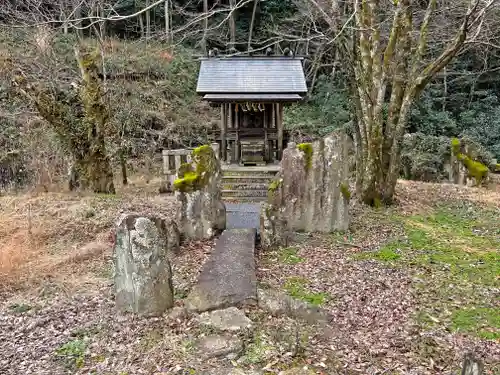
(265, 179)
(248, 174)
(228, 276)
(244, 193)
(250, 171)
(244, 186)
(244, 199)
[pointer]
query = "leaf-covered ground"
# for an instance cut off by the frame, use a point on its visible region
(410, 289)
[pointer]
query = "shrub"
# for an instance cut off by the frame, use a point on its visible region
(424, 157)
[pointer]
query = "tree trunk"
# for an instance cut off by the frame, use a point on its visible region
(78, 16)
(102, 24)
(398, 67)
(252, 22)
(83, 134)
(92, 172)
(64, 19)
(232, 24)
(205, 28)
(168, 26)
(94, 161)
(141, 25)
(148, 21)
(123, 166)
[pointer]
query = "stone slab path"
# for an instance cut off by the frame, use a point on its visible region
(242, 215)
(228, 277)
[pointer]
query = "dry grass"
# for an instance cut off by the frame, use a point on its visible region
(60, 235)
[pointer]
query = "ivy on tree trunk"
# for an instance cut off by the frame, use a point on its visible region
(79, 119)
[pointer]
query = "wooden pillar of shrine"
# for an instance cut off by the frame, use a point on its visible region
(223, 131)
(279, 125)
(230, 126)
(265, 125)
(237, 151)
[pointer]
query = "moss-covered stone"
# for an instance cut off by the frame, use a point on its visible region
(307, 149)
(476, 169)
(205, 160)
(346, 193)
(273, 189)
(274, 185)
(189, 182)
(194, 176)
(188, 179)
(455, 146)
(184, 168)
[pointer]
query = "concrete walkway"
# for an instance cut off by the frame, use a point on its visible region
(242, 215)
(228, 277)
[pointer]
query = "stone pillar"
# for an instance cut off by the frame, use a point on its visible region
(311, 191)
(198, 189)
(216, 147)
(142, 273)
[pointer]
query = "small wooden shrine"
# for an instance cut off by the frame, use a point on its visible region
(251, 92)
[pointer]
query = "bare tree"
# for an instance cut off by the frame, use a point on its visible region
(392, 62)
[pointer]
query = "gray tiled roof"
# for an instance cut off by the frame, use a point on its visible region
(261, 75)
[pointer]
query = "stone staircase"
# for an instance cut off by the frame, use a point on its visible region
(247, 184)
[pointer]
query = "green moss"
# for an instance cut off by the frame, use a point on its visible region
(205, 150)
(274, 185)
(344, 189)
(184, 168)
(296, 287)
(191, 178)
(455, 146)
(189, 182)
(387, 253)
(256, 351)
(20, 308)
(72, 353)
(307, 149)
(476, 169)
(453, 253)
(484, 322)
(289, 255)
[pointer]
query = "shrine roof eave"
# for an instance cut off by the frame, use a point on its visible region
(252, 97)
